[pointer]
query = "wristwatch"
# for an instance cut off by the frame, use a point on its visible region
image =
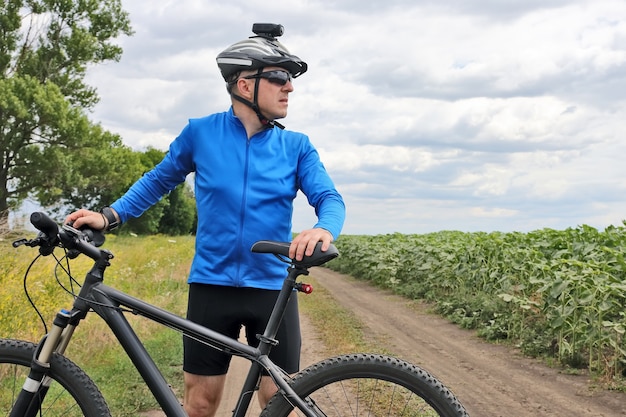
(109, 214)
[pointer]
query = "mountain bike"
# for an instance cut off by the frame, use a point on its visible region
(38, 380)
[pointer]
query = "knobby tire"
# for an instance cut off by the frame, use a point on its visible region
(71, 394)
(360, 385)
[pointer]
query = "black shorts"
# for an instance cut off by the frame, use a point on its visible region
(226, 310)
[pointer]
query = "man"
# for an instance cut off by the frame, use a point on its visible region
(247, 173)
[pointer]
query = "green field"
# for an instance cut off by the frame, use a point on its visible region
(559, 295)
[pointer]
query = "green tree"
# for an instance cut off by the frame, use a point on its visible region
(179, 217)
(148, 222)
(174, 214)
(49, 149)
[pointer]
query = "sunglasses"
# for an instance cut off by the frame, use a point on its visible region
(277, 77)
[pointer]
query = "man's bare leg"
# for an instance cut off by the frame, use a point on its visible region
(267, 389)
(203, 394)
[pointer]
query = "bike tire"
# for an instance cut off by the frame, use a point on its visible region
(71, 393)
(368, 385)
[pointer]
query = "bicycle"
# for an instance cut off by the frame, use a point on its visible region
(36, 379)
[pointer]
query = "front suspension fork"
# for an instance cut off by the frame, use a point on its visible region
(37, 384)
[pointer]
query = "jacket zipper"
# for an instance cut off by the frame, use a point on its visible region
(242, 216)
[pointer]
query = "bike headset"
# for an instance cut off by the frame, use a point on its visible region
(255, 53)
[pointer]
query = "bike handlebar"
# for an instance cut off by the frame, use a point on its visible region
(45, 224)
(77, 241)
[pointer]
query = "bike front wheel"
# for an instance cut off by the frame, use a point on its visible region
(71, 392)
(360, 385)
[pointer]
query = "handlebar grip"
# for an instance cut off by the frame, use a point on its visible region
(45, 224)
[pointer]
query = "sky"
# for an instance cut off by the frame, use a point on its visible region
(470, 115)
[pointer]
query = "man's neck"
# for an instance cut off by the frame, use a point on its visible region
(248, 118)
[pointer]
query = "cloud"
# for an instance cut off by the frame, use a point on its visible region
(467, 115)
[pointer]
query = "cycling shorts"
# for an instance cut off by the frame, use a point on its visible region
(228, 309)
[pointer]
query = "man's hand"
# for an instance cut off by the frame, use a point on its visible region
(89, 218)
(304, 243)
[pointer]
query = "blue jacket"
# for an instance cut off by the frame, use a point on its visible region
(244, 192)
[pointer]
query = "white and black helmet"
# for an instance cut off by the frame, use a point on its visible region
(259, 51)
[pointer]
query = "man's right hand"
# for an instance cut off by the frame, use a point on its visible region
(89, 218)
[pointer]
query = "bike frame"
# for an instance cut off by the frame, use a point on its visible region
(109, 303)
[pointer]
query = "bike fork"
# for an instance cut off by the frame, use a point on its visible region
(37, 383)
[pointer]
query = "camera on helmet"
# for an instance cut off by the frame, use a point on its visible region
(268, 30)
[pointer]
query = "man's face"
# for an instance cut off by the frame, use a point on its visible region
(272, 96)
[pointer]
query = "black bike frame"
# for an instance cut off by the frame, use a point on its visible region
(107, 303)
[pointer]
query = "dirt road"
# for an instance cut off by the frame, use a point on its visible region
(490, 380)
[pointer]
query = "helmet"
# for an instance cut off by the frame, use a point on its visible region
(256, 52)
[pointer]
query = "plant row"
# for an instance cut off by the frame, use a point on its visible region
(552, 293)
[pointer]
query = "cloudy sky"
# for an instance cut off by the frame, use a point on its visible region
(472, 115)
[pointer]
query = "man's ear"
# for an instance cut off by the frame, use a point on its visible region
(246, 88)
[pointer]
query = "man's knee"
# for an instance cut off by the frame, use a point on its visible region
(203, 394)
(267, 389)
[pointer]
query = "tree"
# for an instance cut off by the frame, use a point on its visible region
(49, 148)
(179, 217)
(175, 214)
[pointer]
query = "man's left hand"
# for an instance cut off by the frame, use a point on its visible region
(304, 243)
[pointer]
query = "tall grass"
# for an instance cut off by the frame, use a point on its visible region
(151, 268)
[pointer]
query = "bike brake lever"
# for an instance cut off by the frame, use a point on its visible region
(94, 237)
(20, 242)
(27, 242)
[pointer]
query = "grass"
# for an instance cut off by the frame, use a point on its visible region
(152, 268)
(340, 330)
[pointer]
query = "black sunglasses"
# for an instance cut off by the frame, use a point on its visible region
(275, 77)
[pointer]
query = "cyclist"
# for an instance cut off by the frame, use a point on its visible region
(248, 170)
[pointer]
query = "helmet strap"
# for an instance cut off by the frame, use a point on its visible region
(255, 105)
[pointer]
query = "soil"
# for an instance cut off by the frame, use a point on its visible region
(490, 380)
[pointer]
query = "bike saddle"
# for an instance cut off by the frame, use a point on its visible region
(282, 249)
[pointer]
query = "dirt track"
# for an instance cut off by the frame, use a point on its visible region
(490, 380)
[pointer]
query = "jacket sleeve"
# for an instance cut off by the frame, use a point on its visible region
(161, 180)
(318, 187)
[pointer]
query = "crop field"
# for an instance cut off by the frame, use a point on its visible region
(555, 294)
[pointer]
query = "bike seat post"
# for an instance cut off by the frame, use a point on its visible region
(267, 340)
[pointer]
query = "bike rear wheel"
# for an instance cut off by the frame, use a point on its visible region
(368, 385)
(71, 394)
